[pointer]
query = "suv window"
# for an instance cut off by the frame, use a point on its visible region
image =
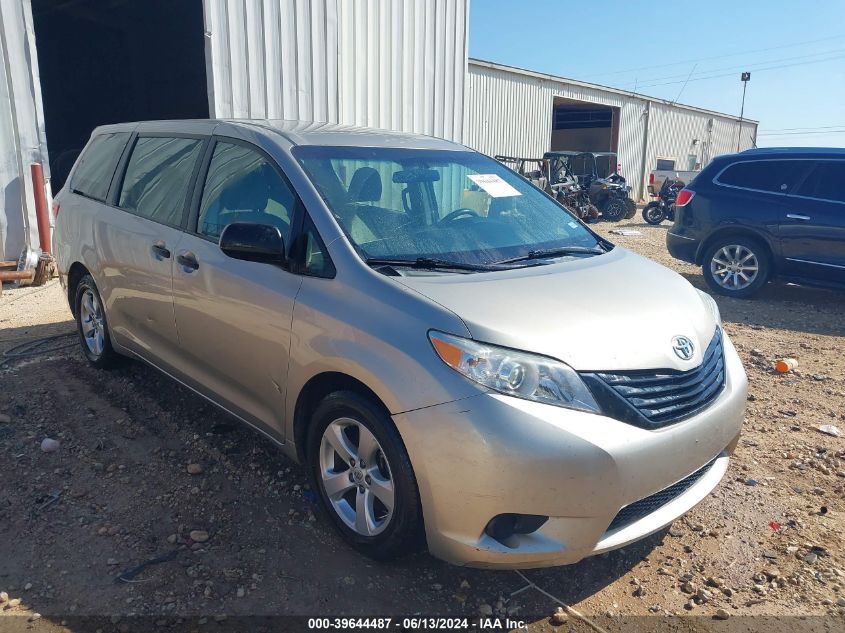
(826, 181)
(777, 176)
(157, 177)
(95, 170)
(311, 252)
(243, 186)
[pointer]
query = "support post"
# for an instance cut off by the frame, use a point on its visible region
(42, 214)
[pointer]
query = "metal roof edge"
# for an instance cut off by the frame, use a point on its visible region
(472, 61)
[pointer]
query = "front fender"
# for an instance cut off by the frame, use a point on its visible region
(382, 343)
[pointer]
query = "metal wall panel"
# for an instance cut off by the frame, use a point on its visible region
(509, 111)
(272, 58)
(688, 136)
(395, 64)
(21, 128)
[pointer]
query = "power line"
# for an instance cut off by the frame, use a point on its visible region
(800, 133)
(814, 61)
(806, 128)
(748, 65)
(685, 84)
(702, 59)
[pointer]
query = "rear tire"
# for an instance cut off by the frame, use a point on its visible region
(375, 507)
(653, 213)
(736, 266)
(92, 325)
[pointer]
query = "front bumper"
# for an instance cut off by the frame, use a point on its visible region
(492, 454)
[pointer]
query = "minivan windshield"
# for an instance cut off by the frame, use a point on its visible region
(441, 206)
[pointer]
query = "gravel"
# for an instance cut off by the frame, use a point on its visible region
(119, 489)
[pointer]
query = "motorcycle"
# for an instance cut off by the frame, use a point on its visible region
(664, 207)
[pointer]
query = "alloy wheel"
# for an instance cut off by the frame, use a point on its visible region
(92, 322)
(734, 267)
(356, 477)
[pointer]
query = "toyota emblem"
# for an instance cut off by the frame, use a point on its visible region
(683, 347)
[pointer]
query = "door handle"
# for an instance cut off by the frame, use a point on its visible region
(160, 250)
(188, 260)
(798, 216)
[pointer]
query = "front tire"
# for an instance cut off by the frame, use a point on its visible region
(362, 472)
(614, 210)
(631, 209)
(736, 266)
(92, 325)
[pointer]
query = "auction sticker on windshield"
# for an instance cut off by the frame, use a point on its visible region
(494, 185)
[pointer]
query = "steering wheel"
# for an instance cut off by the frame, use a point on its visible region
(459, 213)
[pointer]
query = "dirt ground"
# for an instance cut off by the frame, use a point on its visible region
(117, 492)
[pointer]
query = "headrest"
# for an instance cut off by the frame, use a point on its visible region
(249, 193)
(365, 185)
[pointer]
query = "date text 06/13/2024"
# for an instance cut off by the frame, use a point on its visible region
(416, 623)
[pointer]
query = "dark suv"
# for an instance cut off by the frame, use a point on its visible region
(765, 213)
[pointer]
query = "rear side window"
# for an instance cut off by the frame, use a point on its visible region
(776, 176)
(157, 177)
(96, 166)
(665, 164)
(826, 181)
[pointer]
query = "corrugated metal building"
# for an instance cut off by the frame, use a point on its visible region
(519, 112)
(70, 65)
(386, 64)
(22, 137)
(398, 64)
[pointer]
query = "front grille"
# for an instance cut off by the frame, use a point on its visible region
(646, 506)
(665, 396)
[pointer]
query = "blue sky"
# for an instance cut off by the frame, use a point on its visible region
(801, 102)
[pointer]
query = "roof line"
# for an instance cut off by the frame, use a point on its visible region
(473, 61)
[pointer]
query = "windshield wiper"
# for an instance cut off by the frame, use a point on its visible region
(548, 253)
(429, 263)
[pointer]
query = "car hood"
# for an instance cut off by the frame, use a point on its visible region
(617, 311)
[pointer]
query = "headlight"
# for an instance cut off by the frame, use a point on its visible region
(711, 303)
(519, 374)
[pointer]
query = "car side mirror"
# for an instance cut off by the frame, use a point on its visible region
(253, 242)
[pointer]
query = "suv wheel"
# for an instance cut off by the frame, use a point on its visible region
(92, 325)
(736, 266)
(362, 471)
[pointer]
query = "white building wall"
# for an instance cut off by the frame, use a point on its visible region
(680, 134)
(22, 136)
(397, 64)
(509, 111)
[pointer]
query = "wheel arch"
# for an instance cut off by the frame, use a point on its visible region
(735, 230)
(75, 274)
(313, 392)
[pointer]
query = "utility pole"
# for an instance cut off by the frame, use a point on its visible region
(745, 78)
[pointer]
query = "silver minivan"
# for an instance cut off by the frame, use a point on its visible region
(457, 360)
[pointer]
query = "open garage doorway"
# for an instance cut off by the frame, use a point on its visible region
(580, 126)
(110, 61)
